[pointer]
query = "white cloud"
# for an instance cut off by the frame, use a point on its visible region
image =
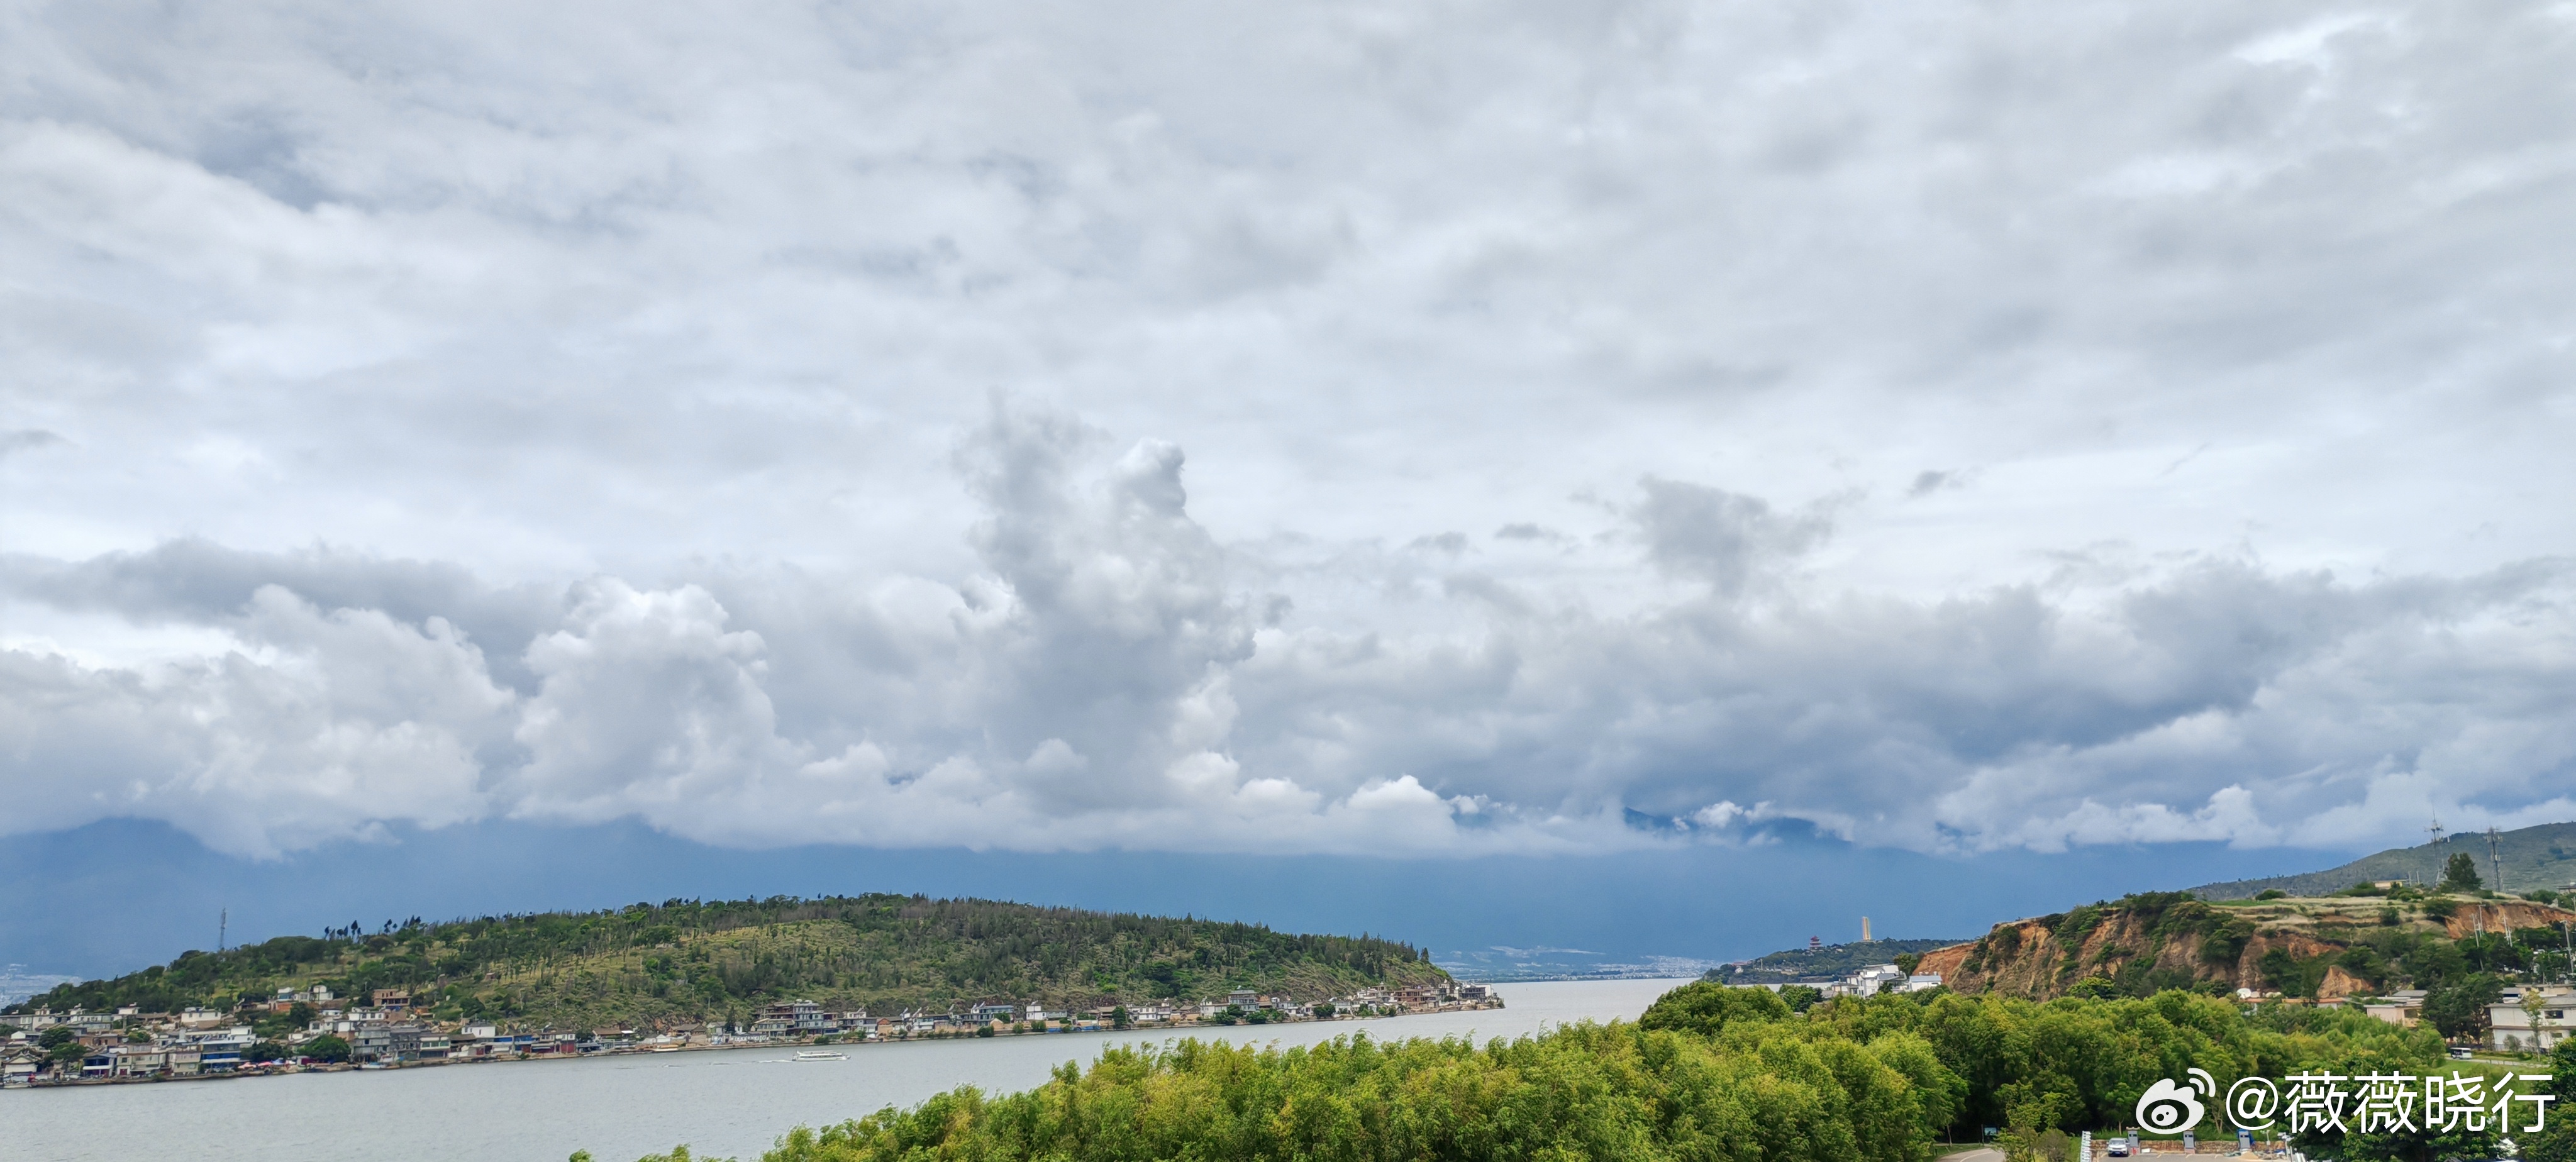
(1954, 426)
(1115, 680)
(319, 725)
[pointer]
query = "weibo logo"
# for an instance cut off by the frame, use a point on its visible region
(2169, 1108)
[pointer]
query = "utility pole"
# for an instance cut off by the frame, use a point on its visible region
(2495, 861)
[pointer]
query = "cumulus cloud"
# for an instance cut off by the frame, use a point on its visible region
(1726, 540)
(1114, 676)
(319, 726)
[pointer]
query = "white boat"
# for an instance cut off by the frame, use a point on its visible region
(821, 1055)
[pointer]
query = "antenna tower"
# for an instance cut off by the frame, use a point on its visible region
(2495, 862)
(2436, 829)
(223, 923)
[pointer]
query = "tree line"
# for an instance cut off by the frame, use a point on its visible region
(1708, 1072)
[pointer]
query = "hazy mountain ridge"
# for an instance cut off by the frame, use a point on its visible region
(1503, 964)
(2532, 858)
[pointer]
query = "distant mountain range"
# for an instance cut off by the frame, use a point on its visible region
(1502, 964)
(2532, 857)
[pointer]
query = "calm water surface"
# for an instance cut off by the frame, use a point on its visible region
(727, 1102)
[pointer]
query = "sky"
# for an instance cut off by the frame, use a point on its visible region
(1431, 452)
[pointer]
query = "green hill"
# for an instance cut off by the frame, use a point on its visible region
(1816, 965)
(2533, 859)
(686, 961)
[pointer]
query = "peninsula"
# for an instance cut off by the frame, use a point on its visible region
(688, 973)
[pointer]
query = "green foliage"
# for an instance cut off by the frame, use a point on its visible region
(2411, 1145)
(2366, 963)
(327, 1047)
(2095, 987)
(1712, 1073)
(1585, 1091)
(2271, 894)
(2558, 1142)
(2459, 1009)
(293, 1020)
(1706, 1008)
(2461, 873)
(1800, 997)
(2296, 976)
(692, 960)
(2555, 1144)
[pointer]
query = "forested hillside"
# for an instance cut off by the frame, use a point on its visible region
(686, 960)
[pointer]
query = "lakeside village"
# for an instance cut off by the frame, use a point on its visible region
(324, 1032)
(2524, 1018)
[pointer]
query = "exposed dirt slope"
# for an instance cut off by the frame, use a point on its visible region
(2162, 942)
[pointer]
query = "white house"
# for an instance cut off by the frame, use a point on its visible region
(2543, 1025)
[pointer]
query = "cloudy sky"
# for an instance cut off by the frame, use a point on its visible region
(1438, 431)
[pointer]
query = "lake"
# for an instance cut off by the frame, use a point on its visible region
(733, 1102)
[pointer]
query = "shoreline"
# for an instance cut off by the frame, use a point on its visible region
(259, 1071)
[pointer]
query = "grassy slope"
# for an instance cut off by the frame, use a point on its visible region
(2533, 857)
(685, 961)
